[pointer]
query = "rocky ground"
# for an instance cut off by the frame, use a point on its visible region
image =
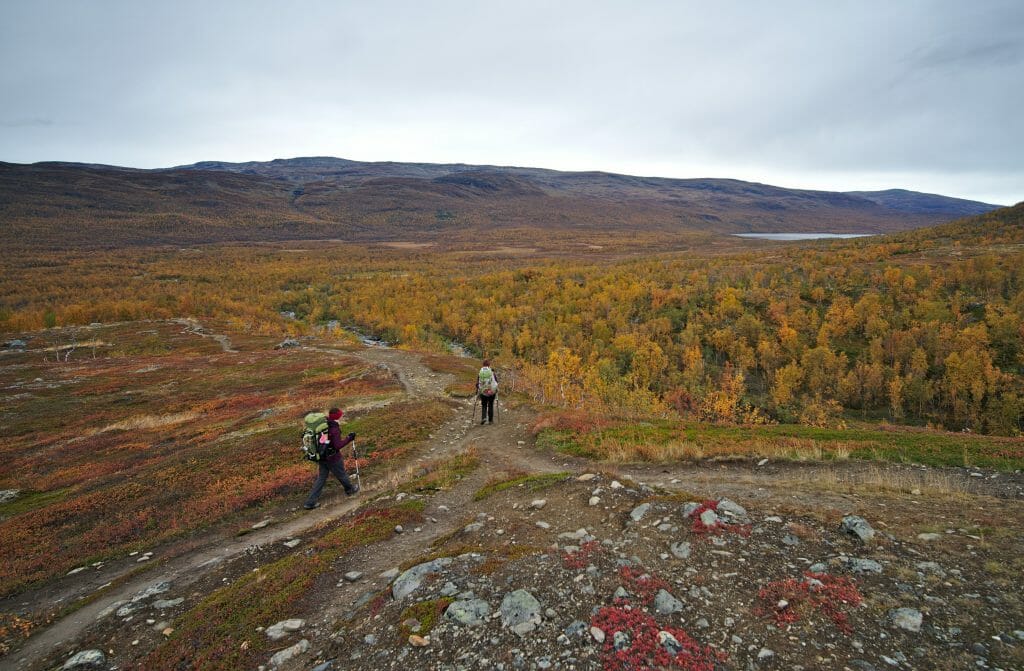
(740, 565)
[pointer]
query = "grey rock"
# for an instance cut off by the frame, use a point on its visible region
(164, 604)
(818, 567)
(410, 581)
(765, 653)
(353, 576)
(703, 623)
(858, 527)
(638, 513)
(620, 593)
(687, 509)
(790, 540)
(286, 344)
(597, 634)
(666, 604)
(980, 649)
(576, 628)
(449, 589)
(86, 659)
(130, 608)
(538, 503)
(928, 537)
(862, 566)
(520, 611)
(709, 518)
(474, 527)
(470, 612)
(733, 511)
(370, 639)
(390, 574)
(680, 550)
(276, 632)
(930, 567)
(8, 495)
(907, 618)
(670, 643)
(621, 640)
(326, 666)
(289, 654)
(862, 665)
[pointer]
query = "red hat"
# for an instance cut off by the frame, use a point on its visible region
(335, 414)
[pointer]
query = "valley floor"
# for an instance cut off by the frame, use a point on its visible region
(485, 551)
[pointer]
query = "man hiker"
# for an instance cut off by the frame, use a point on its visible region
(332, 461)
(487, 389)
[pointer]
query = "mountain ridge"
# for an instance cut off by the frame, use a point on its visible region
(326, 197)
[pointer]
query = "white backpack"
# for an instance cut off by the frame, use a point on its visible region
(486, 382)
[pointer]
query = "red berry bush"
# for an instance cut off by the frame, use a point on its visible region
(789, 601)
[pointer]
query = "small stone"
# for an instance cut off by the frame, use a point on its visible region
(419, 641)
(621, 640)
(544, 525)
(586, 477)
(167, 631)
(617, 485)
(597, 634)
(858, 527)
(666, 604)
(680, 550)
(86, 659)
(790, 540)
(353, 576)
(731, 509)
(709, 518)
(594, 500)
(292, 543)
(671, 644)
(928, 537)
(370, 639)
(398, 529)
(164, 604)
(638, 513)
(288, 654)
(281, 629)
(390, 574)
(473, 527)
(261, 524)
(538, 503)
(765, 653)
(762, 462)
(907, 618)
(862, 566)
(470, 612)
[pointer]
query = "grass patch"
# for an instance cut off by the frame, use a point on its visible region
(443, 474)
(532, 483)
(666, 440)
(28, 500)
(427, 613)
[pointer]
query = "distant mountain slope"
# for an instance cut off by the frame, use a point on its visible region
(70, 205)
(901, 200)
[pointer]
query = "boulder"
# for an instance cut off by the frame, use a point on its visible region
(410, 581)
(857, 527)
(520, 611)
(469, 612)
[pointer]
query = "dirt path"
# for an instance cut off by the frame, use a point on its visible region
(504, 447)
(195, 328)
(501, 447)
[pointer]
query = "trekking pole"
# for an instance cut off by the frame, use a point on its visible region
(355, 460)
(476, 400)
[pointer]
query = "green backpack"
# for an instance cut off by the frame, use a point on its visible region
(315, 443)
(486, 382)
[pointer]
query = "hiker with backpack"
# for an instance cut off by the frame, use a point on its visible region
(487, 390)
(322, 443)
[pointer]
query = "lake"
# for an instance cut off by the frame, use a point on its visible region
(802, 236)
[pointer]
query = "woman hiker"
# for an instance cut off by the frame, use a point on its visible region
(332, 461)
(487, 389)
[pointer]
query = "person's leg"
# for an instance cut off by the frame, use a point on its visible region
(483, 408)
(318, 486)
(489, 408)
(338, 468)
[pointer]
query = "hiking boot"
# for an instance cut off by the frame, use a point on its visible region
(353, 491)
(311, 506)
(482, 422)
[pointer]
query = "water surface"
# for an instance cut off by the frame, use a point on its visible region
(802, 236)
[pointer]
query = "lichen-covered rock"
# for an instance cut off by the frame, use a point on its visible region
(281, 629)
(520, 611)
(857, 527)
(469, 612)
(288, 654)
(909, 619)
(666, 604)
(86, 659)
(410, 581)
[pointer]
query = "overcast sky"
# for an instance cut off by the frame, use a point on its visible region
(837, 95)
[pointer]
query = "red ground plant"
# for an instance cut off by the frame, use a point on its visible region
(641, 583)
(789, 601)
(581, 558)
(645, 649)
(719, 526)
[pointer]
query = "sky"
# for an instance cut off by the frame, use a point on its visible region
(838, 95)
